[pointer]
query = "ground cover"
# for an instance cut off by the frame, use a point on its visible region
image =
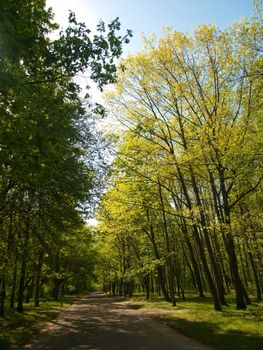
(196, 318)
(17, 327)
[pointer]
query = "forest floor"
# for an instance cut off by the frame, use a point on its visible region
(98, 322)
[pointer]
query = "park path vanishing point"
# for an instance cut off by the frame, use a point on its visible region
(97, 322)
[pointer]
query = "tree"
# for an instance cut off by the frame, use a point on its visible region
(195, 100)
(44, 175)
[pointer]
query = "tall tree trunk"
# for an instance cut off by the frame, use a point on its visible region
(159, 268)
(146, 282)
(246, 257)
(241, 296)
(2, 295)
(199, 244)
(194, 263)
(13, 290)
(207, 272)
(219, 284)
(254, 269)
(14, 279)
(190, 270)
(242, 264)
(171, 274)
(21, 288)
(55, 292)
(56, 281)
(30, 289)
(38, 277)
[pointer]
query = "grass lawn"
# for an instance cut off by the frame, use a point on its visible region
(227, 330)
(17, 328)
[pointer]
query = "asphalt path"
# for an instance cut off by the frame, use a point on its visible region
(97, 322)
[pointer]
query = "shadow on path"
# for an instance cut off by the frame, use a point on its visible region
(96, 322)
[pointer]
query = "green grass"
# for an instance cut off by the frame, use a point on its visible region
(17, 328)
(229, 329)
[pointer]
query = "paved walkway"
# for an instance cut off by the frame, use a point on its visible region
(105, 323)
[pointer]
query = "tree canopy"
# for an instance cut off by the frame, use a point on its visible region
(187, 179)
(46, 172)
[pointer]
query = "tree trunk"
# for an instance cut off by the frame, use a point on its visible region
(241, 295)
(38, 277)
(195, 267)
(55, 292)
(30, 290)
(171, 274)
(220, 287)
(146, 282)
(2, 295)
(21, 288)
(199, 244)
(259, 296)
(13, 290)
(241, 299)
(159, 268)
(207, 272)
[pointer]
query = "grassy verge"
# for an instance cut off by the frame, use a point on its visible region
(229, 329)
(17, 328)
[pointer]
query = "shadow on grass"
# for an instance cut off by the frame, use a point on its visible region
(18, 327)
(209, 334)
(4, 345)
(136, 306)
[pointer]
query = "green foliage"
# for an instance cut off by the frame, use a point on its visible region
(188, 172)
(46, 140)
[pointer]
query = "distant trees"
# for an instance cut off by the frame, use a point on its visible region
(45, 175)
(183, 209)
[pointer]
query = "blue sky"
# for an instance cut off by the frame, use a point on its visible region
(148, 16)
